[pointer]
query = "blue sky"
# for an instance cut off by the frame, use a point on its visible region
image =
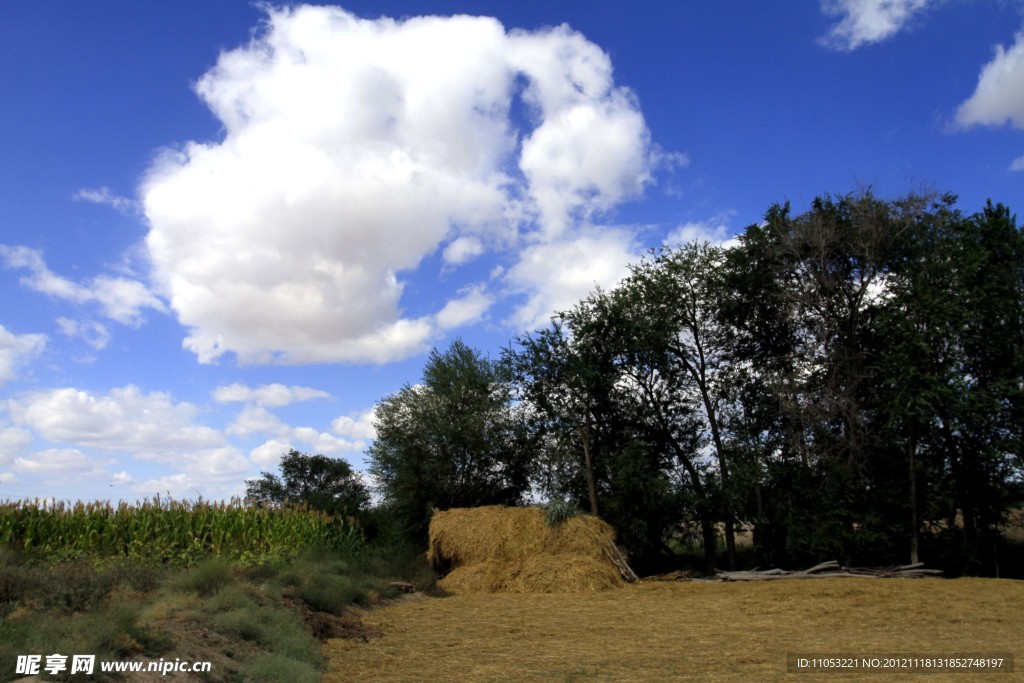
(227, 229)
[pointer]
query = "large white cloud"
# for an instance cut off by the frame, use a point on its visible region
(869, 21)
(999, 96)
(352, 150)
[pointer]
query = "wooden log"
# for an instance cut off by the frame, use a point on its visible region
(613, 553)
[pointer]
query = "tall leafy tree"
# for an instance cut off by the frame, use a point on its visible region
(594, 443)
(454, 440)
(804, 292)
(672, 303)
(951, 373)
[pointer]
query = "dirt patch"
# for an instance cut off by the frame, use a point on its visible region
(326, 626)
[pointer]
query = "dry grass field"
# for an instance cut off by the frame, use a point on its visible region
(687, 631)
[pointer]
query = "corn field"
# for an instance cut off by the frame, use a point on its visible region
(173, 531)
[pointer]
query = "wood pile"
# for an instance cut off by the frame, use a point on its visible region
(829, 570)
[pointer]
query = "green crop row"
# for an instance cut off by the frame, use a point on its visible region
(168, 530)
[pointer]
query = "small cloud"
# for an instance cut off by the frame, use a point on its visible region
(864, 22)
(15, 349)
(94, 334)
(273, 395)
(715, 230)
(1017, 164)
(463, 249)
(359, 427)
(269, 453)
(555, 275)
(467, 309)
(998, 98)
(60, 461)
(104, 196)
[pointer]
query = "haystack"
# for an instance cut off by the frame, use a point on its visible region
(499, 549)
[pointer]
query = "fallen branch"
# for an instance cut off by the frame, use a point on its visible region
(613, 553)
(829, 570)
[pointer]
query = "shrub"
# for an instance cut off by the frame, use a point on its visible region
(209, 576)
(557, 510)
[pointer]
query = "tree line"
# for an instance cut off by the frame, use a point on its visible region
(846, 383)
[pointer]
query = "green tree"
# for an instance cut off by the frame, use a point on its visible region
(950, 375)
(673, 302)
(454, 440)
(804, 292)
(326, 484)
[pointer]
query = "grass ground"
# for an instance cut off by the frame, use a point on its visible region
(686, 631)
(253, 623)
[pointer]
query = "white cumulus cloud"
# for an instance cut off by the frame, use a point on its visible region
(558, 274)
(999, 96)
(59, 461)
(863, 22)
(256, 420)
(125, 420)
(468, 308)
(352, 150)
(359, 426)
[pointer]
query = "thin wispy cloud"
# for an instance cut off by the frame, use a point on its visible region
(104, 196)
(16, 349)
(121, 299)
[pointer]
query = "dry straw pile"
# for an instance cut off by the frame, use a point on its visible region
(497, 549)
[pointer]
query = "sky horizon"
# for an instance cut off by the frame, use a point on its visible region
(229, 229)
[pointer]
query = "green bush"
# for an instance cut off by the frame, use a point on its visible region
(331, 593)
(557, 510)
(74, 587)
(208, 576)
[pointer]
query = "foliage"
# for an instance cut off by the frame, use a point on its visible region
(254, 622)
(454, 440)
(177, 532)
(557, 510)
(320, 483)
(848, 382)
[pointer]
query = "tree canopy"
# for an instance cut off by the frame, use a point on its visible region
(846, 383)
(453, 440)
(325, 484)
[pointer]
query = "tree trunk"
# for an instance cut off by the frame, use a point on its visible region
(589, 465)
(707, 526)
(914, 536)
